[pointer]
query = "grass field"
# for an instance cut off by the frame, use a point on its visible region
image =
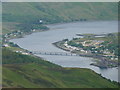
(32, 72)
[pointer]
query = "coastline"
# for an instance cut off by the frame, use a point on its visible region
(29, 33)
(42, 30)
(103, 62)
(77, 22)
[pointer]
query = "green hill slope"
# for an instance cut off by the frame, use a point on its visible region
(53, 12)
(19, 15)
(32, 72)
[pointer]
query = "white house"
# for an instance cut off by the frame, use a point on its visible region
(6, 45)
(40, 21)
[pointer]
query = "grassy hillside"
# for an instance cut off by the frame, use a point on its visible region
(32, 72)
(23, 16)
(53, 12)
(9, 27)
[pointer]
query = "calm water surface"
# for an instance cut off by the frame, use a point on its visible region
(43, 41)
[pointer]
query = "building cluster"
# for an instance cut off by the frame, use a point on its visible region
(71, 48)
(5, 45)
(11, 35)
(23, 52)
(92, 42)
(95, 44)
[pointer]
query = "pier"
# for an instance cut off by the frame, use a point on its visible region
(94, 35)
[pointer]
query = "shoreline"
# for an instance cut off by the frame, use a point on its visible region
(42, 30)
(78, 21)
(102, 62)
(29, 33)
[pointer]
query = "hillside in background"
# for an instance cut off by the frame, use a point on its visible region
(54, 12)
(22, 16)
(32, 72)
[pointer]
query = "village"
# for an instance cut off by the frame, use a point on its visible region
(93, 48)
(19, 34)
(22, 31)
(104, 46)
(104, 49)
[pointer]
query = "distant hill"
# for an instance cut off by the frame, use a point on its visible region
(31, 72)
(54, 12)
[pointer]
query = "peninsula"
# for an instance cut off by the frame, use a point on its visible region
(103, 47)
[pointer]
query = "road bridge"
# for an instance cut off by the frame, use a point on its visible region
(53, 53)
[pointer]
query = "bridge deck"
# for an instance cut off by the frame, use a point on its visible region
(54, 53)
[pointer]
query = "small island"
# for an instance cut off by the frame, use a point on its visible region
(103, 47)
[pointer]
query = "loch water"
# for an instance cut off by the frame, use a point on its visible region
(42, 41)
